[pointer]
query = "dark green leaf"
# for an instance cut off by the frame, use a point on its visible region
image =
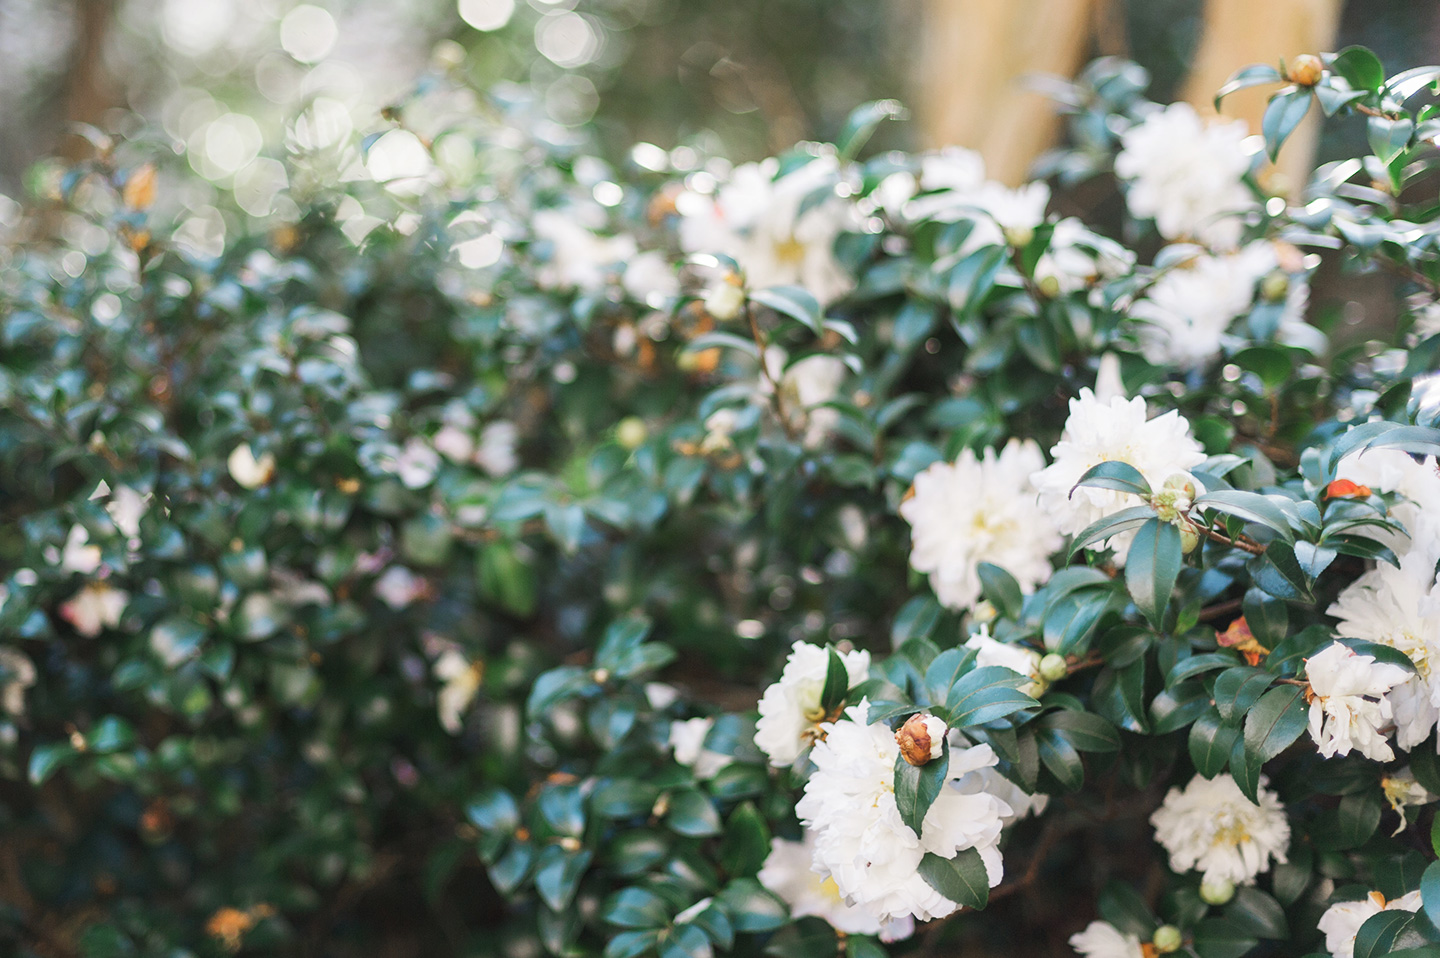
(1282, 114)
(1151, 568)
(1430, 892)
(792, 301)
(1360, 68)
(1114, 474)
(747, 841)
(1380, 931)
(1062, 760)
(692, 813)
(961, 879)
(1388, 138)
(861, 123)
(837, 684)
(1222, 938)
(1113, 524)
(493, 810)
(917, 787)
(1211, 742)
(1277, 719)
(985, 695)
(1086, 731)
(1000, 589)
(1247, 77)
(1257, 913)
(558, 874)
(1250, 506)
(1237, 689)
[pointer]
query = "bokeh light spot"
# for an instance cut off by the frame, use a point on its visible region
(308, 33)
(487, 14)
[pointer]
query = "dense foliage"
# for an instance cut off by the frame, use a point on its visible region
(405, 566)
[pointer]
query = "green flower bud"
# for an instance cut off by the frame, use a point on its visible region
(1189, 536)
(1216, 892)
(631, 432)
(1167, 939)
(1053, 667)
(1019, 236)
(1275, 286)
(1049, 286)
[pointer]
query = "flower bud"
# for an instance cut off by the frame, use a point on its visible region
(1275, 286)
(1019, 236)
(1181, 484)
(921, 738)
(1189, 536)
(726, 298)
(1216, 891)
(1053, 667)
(984, 610)
(1306, 69)
(631, 432)
(1167, 939)
(1049, 286)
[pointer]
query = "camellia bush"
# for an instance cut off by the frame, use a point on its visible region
(490, 550)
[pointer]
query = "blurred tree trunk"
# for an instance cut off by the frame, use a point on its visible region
(89, 90)
(974, 59)
(976, 55)
(1241, 32)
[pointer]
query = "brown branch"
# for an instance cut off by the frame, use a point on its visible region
(1241, 542)
(1220, 610)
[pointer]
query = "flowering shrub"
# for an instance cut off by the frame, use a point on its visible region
(501, 552)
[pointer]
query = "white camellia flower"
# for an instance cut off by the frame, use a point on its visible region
(1342, 920)
(397, 587)
(417, 463)
(861, 841)
(497, 453)
(248, 471)
(454, 443)
(79, 555)
(789, 873)
(19, 674)
(1077, 257)
(1016, 658)
(1113, 430)
(649, 279)
(1395, 471)
(987, 779)
(97, 606)
(125, 506)
(1185, 316)
(579, 259)
(1400, 607)
(1187, 175)
(1100, 939)
(1210, 826)
(1402, 791)
(790, 710)
(755, 219)
(687, 741)
(462, 679)
(1349, 706)
(978, 510)
(803, 387)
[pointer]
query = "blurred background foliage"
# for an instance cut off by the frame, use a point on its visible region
(742, 78)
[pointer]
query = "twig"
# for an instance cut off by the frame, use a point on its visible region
(1240, 542)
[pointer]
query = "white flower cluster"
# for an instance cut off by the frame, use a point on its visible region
(790, 710)
(1114, 429)
(1397, 606)
(756, 218)
(860, 840)
(1188, 175)
(1186, 316)
(1349, 705)
(978, 510)
(1210, 826)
